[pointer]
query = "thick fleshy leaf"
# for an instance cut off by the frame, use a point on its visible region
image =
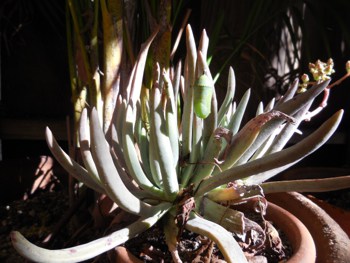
(176, 81)
(307, 185)
(132, 158)
(227, 244)
(109, 175)
(84, 140)
(289, 107)
(85, 251)
(290, 92)
(246, 137)
(170, 232)
(231, 88)
(228, 218)
(116, 129)
(261, 169)
(71, 166)
(187, 115)
(201, 129)
(294, 105)
(288, 131)
(211, 122)
(142, 143)
(171, 119)
(237, 117)
(162, 145)
(206, 166)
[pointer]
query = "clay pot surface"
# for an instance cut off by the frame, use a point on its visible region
(341, 216)
(332, 243)
(122, 255)
(303, 246)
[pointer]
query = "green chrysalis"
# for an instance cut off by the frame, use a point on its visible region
(203, 92)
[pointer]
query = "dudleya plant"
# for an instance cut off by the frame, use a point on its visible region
(173, 155)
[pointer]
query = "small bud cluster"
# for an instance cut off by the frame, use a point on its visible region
(320, 71)
(304, 83)
(347, 67)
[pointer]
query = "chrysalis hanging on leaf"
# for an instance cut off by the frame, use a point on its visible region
(203, 92)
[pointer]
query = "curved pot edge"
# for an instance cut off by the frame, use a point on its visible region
(304, 250)
(332, 243)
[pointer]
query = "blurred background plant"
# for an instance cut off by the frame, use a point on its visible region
(266, 42)
(271, 41)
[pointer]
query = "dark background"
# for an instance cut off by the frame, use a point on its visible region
(35, 89)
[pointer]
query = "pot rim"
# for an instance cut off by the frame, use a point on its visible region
(304, 249)
(332, 243)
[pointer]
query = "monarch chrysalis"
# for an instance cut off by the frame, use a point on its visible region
(203, 92)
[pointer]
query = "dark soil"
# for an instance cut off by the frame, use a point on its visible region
(35, 218)
(150, 246)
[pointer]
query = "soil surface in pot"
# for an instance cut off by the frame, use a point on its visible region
(150, 246)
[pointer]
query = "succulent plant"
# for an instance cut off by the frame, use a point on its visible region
(174, 155)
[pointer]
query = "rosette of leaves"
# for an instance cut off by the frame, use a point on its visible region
(174, 156)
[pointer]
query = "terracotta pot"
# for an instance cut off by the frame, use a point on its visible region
(298, 235)
(303, 246)
(332, 243)
(123, 255)
(341, 216)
